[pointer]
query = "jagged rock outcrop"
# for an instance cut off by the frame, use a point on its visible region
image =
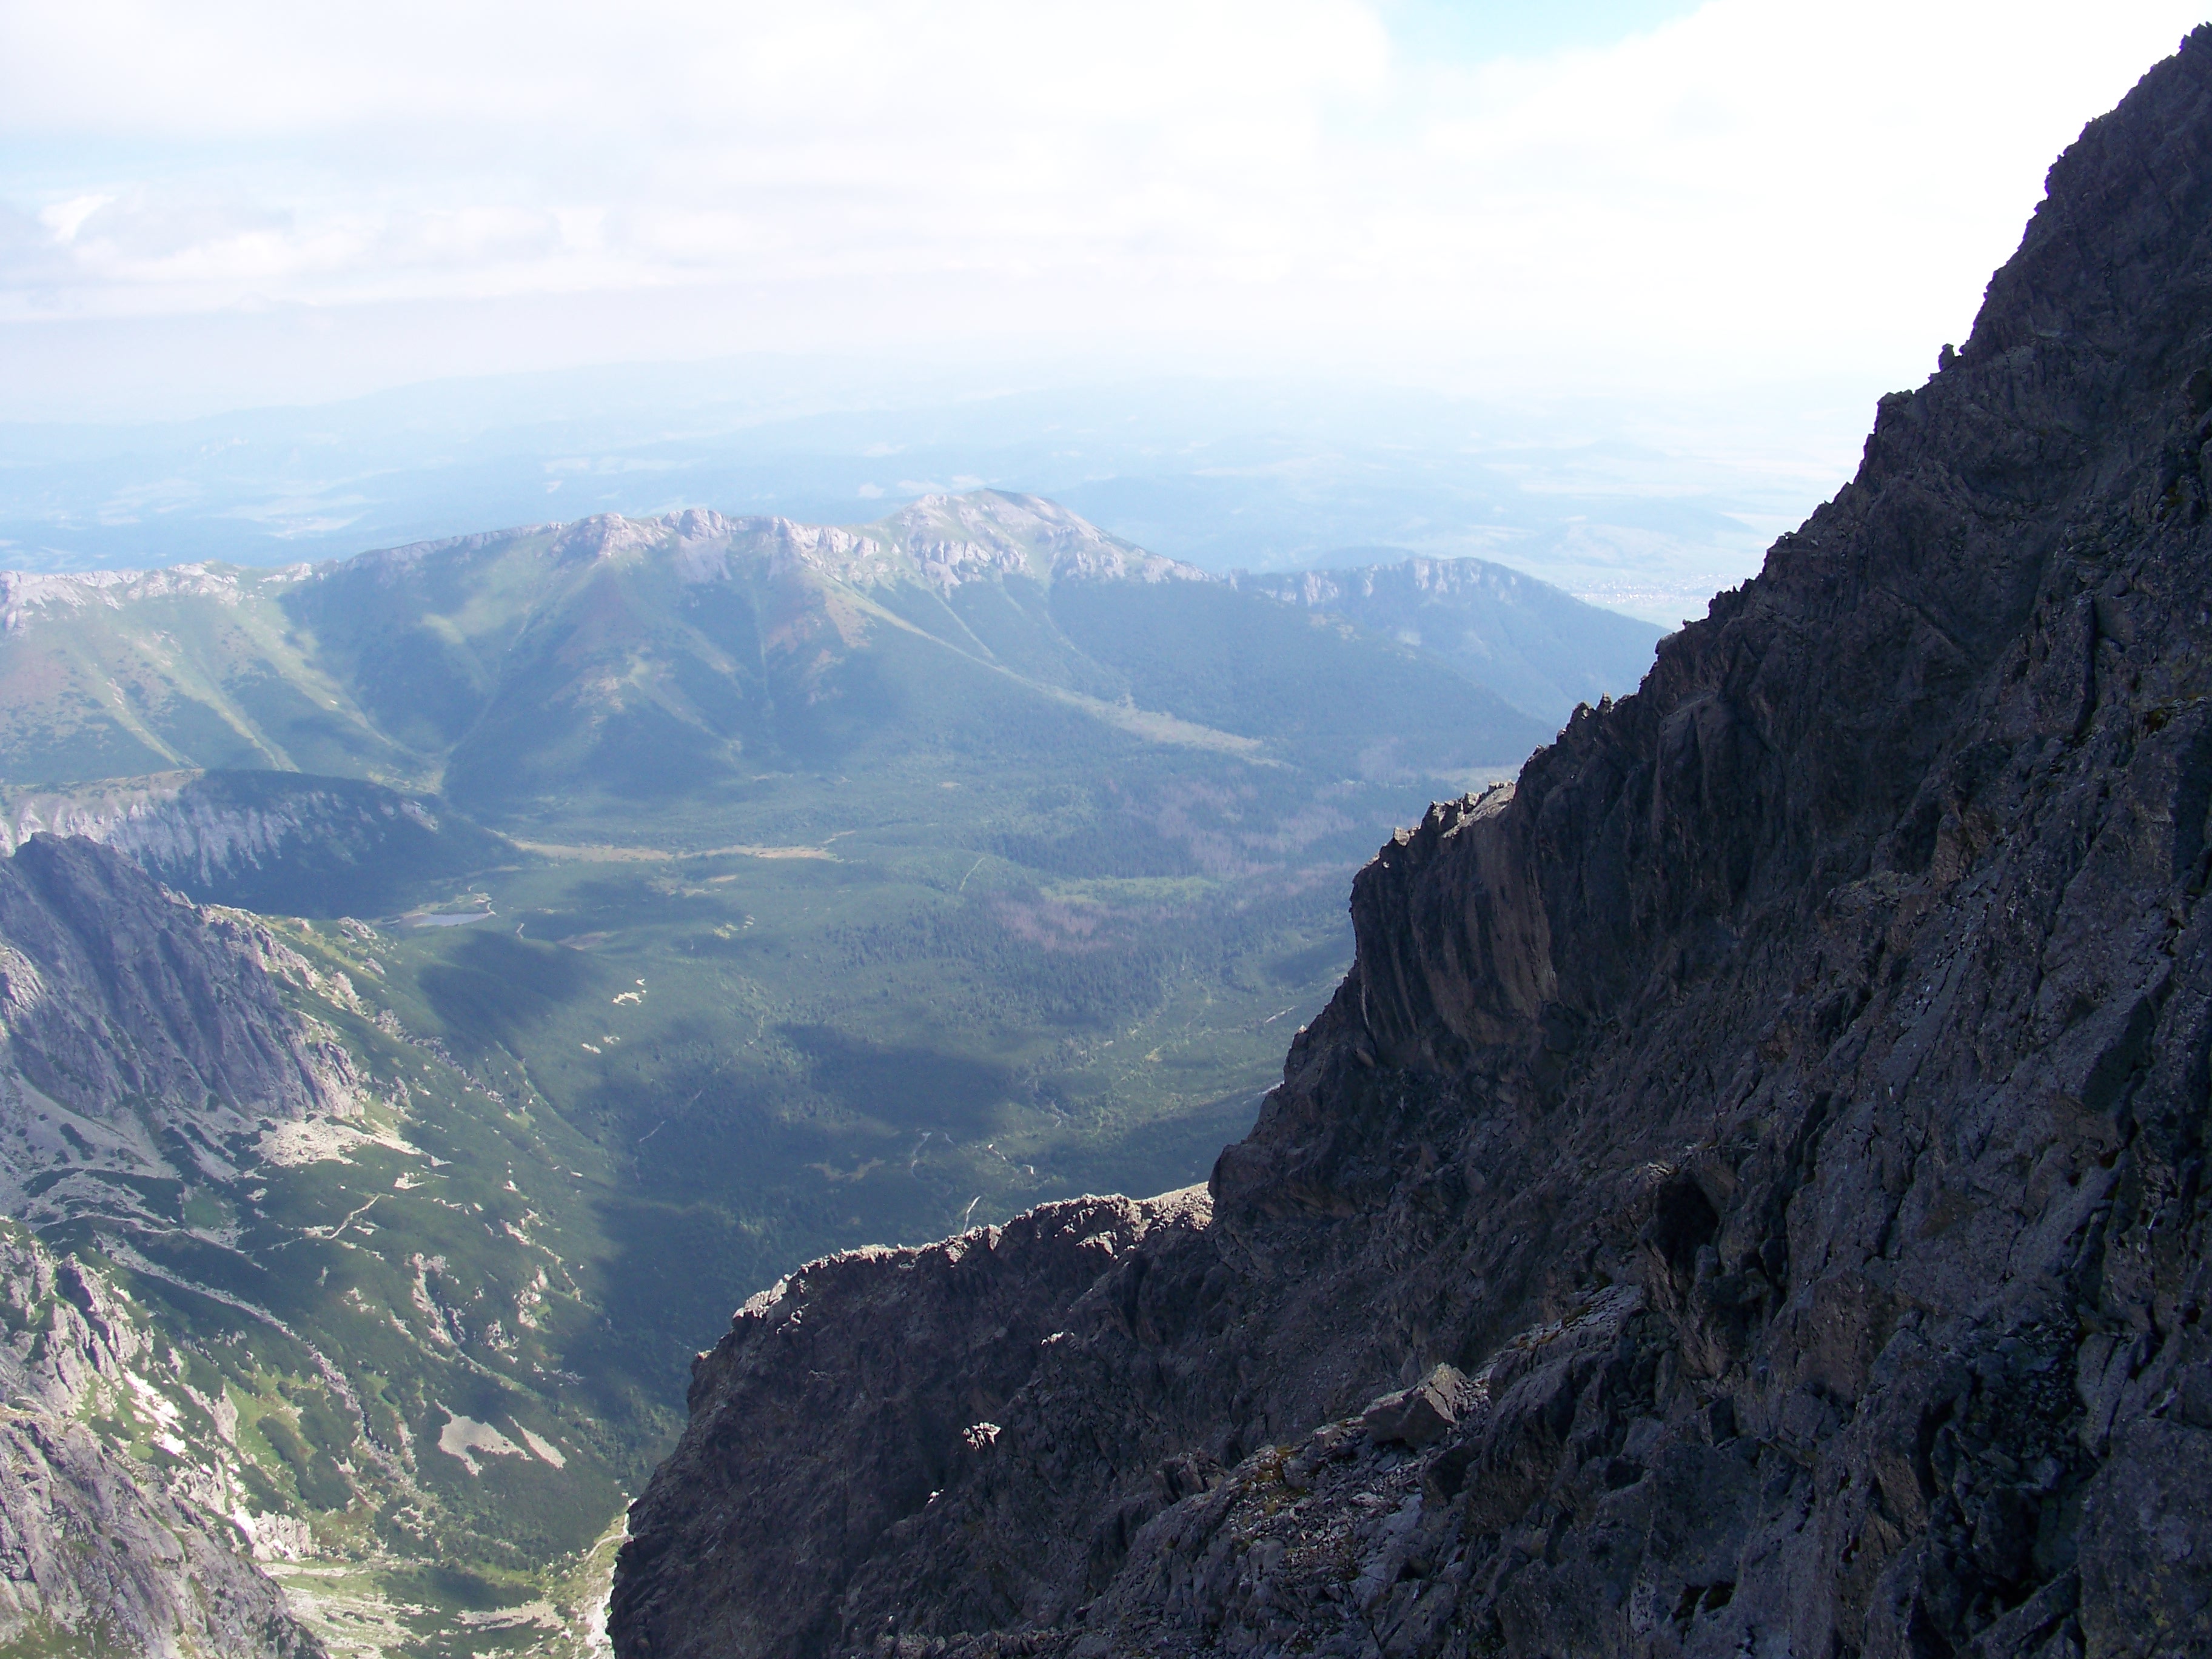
(139, 1037)
(95, 1556)
(1787, 1105)
(901, 1360)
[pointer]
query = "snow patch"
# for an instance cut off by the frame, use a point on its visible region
(462, 1436)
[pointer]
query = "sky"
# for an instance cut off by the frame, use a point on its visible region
(235, 204)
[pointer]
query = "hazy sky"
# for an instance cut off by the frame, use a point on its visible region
(231, 202)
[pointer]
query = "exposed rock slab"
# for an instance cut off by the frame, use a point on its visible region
(278, 842)
(898, 1360)
(140, 1037)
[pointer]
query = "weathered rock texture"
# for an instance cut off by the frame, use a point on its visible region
(281, 842)
(140, 1037)
(1787, 1105)
(95, 1556)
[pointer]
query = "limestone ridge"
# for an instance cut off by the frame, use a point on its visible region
(615, 660)
(1541, 649)
(1785, 1108)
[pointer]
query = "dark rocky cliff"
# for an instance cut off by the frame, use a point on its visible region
(1771, 1134)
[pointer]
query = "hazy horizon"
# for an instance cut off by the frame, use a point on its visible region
(1615, 287)
(1646, 515)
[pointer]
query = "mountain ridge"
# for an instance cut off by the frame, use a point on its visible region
(633, 660)
(1535, 645)
(286, 842)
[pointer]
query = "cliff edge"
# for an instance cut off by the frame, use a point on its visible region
(1748, 1196)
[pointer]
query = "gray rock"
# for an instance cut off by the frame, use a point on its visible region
(90, 1552)
(2146, 1566)
(92, 1547)
(280, 843)
(1420, 1415)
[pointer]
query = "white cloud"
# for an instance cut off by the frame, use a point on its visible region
(1754, 189)
(66, 219)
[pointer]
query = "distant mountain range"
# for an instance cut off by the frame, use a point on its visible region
(1273, 474)
(1542, 650)
(628, 662)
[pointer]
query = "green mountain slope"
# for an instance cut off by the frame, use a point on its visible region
(628, 662)
(1542, 650)
(346, 1289)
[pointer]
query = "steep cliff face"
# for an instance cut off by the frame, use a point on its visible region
(281, 842)
(1769, 1138)
(139, 1039)
(95, 1555)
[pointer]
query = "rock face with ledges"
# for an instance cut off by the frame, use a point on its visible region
(95, 1556)
(278, 842)
(124, 1004)
(893, 1365)
(1787, 1105)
